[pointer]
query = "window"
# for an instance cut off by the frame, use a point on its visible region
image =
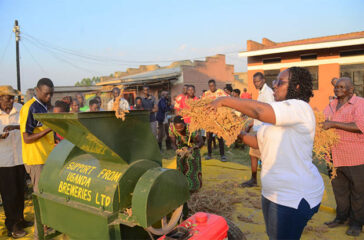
(271, 60)
(314, 73)
(270, 76)
(307, 57)
(356, 73)
(352, 53)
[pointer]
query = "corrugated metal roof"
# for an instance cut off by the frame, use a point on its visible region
(156, 74)
(146, 77)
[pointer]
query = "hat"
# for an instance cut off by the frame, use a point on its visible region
(9, 90)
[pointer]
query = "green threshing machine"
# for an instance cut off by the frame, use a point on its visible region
(105, 180)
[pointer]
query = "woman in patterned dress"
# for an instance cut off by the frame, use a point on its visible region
(187, 146)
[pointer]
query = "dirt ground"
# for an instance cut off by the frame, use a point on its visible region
(246, 213)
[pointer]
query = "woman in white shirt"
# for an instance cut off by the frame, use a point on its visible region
(292, 187)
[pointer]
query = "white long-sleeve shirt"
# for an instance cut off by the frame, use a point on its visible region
(123, 104)
(10, 147)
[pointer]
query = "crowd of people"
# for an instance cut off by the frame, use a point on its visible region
(280, 135)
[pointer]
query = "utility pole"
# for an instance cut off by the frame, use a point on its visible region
(16, 30)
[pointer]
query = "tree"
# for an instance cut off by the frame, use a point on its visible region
(88, 81)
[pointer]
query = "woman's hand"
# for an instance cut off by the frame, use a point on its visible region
(216, 104)
(327, 125)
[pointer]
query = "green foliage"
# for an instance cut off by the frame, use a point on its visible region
(88, 81)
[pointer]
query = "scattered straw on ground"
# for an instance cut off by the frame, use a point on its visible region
(217, 200)
(317, 230)
(224, 122)
(245, 219)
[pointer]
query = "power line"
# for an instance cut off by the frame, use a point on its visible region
(103, 59)
(85, 59)
(64, 60)
(35, 60)
(6, 48)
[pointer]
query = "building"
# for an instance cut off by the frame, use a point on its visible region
(172, 78)
(325, 58)
(241, 81)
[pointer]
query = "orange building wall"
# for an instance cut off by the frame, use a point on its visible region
(251, 88)
(325, 74)
(213, 68)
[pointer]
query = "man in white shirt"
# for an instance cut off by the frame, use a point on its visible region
(266, 96)
(12, 171)
(123, 104)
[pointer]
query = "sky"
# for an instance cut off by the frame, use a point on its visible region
(69, 40)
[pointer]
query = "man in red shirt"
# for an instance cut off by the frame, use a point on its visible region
(346, 115)
(180, 99)
(190, 95)
(246, 95)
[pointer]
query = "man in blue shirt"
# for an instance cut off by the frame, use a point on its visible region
(163, 108)
(149, 103)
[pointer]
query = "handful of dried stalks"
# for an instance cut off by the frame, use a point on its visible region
(224, 122)
(184, 152)
(324, 141)
(119, 113)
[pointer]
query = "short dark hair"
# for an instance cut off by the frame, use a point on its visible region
(229, 87)
(178, 119)
(93, 101)
(116, 89)
(98, 98)
(62, 105)
(45, 81)
(192, 86)
(211, 81)
(259, 74)
(138, 98)
(236, 91)
(299, 77)
(186, 85)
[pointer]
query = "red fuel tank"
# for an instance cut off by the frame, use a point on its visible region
(200, 226)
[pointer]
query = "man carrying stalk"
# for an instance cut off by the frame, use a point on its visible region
(214, 93)
(346, 115)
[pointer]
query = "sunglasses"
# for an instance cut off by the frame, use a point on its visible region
(279, 82)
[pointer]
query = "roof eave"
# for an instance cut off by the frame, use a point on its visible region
(303, 47)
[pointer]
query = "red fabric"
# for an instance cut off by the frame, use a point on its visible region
(246, 96)
(180, 101)
(183, 106)
(350, 149)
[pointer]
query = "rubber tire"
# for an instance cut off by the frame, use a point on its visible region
(234, 232)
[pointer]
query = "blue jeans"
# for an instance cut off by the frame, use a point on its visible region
(283, 222)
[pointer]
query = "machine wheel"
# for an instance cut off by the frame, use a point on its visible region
(234, 232)
(167, 226)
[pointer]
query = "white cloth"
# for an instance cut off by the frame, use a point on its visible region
(288, 174)
(10, 147)
(266, 96)
(123, 104)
